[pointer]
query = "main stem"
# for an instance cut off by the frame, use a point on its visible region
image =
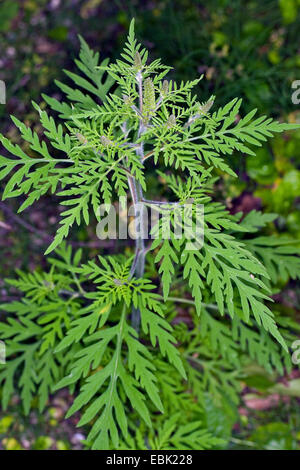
(138, 265)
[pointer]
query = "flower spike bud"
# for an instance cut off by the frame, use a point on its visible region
(138, 61)
(149, 104)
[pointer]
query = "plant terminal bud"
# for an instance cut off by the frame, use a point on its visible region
(81, 138)
(165, 88)
(171, 122)
(205, 107)
(126, 99)
(105, 141)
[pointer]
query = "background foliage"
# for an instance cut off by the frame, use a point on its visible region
(246, 49)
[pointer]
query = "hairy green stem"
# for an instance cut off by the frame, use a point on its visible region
(191, 302)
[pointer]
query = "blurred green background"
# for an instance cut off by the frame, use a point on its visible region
(248, 49)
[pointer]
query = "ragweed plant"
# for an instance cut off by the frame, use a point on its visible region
(109, 328)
